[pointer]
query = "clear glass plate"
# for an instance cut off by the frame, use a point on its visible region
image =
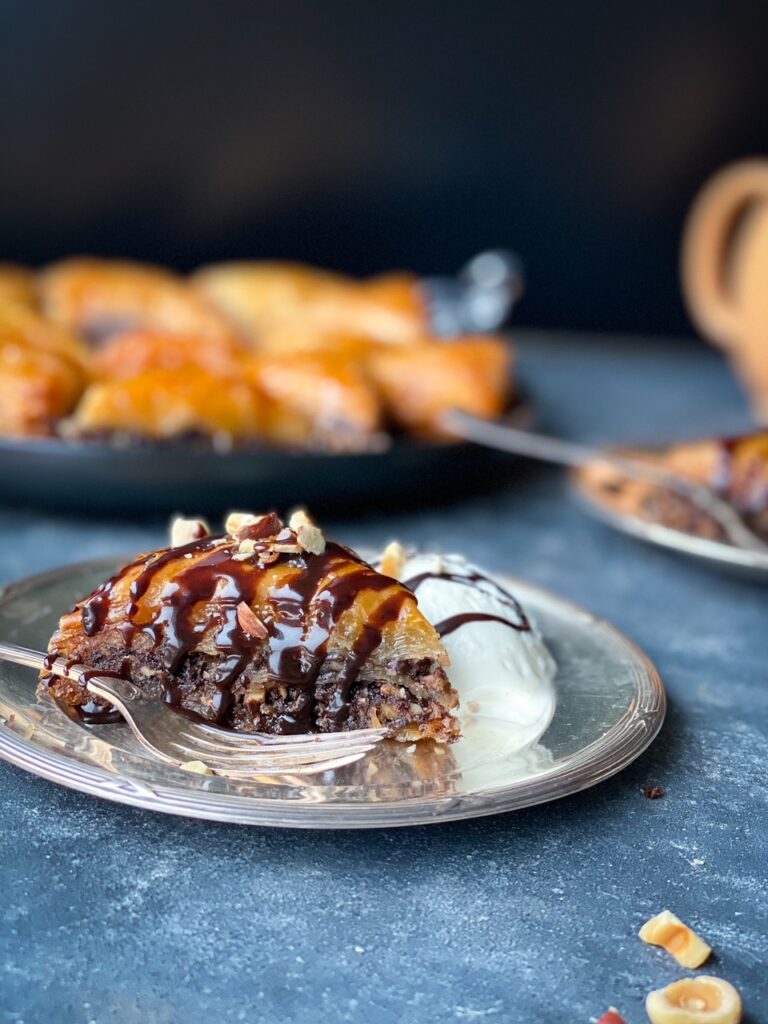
(610, 705)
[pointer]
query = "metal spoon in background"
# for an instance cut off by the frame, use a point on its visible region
(480, 298)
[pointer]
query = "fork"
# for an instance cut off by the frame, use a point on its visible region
(179, 739)
(568, 453)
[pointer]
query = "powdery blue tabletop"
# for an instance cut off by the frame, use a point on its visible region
(109, 914)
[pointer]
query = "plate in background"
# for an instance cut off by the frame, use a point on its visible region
(610, 706)
(601, 502)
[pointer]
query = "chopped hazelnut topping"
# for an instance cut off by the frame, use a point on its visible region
(255, 696)
(266, 528)
(250, 623)
(245, 550)
(682, 942)
(310, 535)
(703, 1000)
(184, 531)
(236, 520)
(287, 549)
(197, 766)
(393, 560)
(245, 525)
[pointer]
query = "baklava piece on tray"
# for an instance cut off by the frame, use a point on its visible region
(248, 354)
(42, 372)
(99, 299)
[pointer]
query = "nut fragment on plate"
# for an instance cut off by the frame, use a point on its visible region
(702, 1000)
(309, 534)
(199, 767)
(184, 531)
(669, 932)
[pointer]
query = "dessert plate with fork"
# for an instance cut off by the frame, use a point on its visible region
(410, 688)
(707, 499)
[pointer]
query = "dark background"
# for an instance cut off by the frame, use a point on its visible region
(366, 136)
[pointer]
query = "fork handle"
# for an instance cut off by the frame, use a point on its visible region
(548, 449)
(569, 453)
(22, 656)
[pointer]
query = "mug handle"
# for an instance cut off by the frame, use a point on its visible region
(708, 247)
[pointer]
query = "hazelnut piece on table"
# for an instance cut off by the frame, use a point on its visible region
(612, 1016)
(682, 942)
(701, 1000)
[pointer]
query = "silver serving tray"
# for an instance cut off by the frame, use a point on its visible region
(610, 706)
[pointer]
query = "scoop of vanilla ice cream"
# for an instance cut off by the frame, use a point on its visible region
(501, 672)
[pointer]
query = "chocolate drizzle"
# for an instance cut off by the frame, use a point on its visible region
(452, 623)
(92, 712)
(299, 613)
(365, 644)
(299, 642)
(449, 625)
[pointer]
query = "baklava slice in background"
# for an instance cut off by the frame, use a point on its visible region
(265, 300)
(98, 299)
(42, 372)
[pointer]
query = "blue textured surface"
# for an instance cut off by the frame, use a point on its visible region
(113, 915)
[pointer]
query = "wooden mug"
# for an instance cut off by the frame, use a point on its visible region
(725, 271)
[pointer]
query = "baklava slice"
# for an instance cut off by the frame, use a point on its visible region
(168, 405)
(266, 628)
(132, 353)
(99, 299)
(17, 284)
(42, 372)
(735, 467)
(419, 382)
(264, 298)
(37, 388)
(317, 400)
